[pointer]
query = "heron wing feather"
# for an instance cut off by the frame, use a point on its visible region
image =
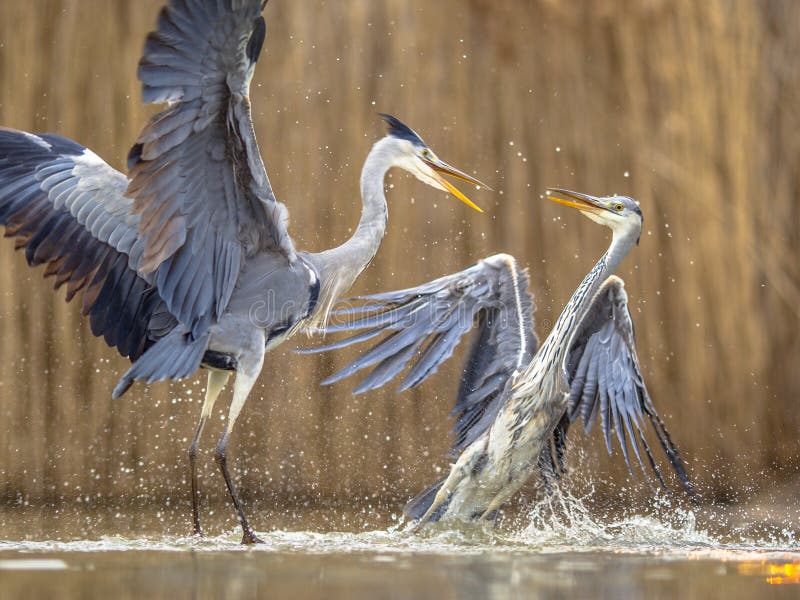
(197, 178)
(423, 325)
(67, 209)
(602, 370)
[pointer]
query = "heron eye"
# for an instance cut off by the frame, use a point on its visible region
(426, 154)
(618, 207)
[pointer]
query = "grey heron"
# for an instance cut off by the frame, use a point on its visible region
(186, 261)
(517, 399)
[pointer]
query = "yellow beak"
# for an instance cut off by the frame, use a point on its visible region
(577, 200)
(440, 166)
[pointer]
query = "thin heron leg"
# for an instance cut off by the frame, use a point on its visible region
(216, 382)
(241, 388)
(441, 497)
(458, 473)
(493, 506)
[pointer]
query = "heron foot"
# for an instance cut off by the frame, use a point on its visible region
(417, 527)
(249, 538)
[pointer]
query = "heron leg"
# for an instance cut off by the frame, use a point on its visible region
(241, 388)
(493, 506)
(438, 500)
(216, 382)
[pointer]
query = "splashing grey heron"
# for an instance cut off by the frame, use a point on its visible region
(186, 262)
(516, 399)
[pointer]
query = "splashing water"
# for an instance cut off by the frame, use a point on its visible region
(556, 523)
(563, 521)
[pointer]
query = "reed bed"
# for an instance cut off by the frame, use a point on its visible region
(691, 107)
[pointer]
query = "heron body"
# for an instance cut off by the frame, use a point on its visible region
(186, 261)
(517, 399)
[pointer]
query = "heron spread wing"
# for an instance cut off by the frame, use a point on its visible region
(197, 179)
(424, 325)
(66, 207)
(606, 384)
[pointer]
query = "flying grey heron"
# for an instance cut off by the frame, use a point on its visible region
(186, 262)
(517, 399)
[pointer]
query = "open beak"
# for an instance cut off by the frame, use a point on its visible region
(439, 166)
(583, 202)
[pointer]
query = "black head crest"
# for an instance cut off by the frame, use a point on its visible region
(400, 130)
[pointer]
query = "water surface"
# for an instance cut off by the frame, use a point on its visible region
(556, 548)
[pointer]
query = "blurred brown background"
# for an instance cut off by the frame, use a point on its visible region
(691, 107)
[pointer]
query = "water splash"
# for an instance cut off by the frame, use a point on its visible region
(561, 520)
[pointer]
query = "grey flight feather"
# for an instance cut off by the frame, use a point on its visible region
(197, 178)
(66, 207)
(426, 323)
(606, 385)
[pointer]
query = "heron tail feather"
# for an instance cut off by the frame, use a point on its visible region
(174, 356)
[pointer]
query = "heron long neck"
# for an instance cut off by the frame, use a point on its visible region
(555, 347)
(339, 267)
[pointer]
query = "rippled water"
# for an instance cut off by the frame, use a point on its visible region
(556, 548)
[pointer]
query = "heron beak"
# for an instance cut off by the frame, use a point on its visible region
(439, 166)
(583, 202)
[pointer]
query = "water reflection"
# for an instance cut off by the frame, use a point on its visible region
(773, 573)
(125, 574)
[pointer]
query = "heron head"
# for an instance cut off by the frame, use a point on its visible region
(620, 213)
(413, 155)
